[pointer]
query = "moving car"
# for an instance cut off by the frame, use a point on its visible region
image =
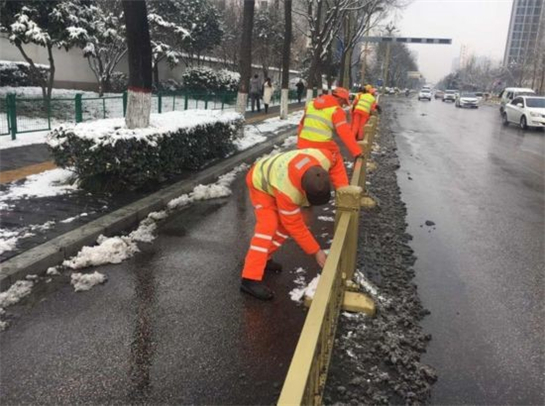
(509, 93)
(467, 99)
(439, 94)
(424, 94)
(526, 111)
(450, 95)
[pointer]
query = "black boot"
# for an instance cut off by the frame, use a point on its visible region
(256, 289)
(273, 266)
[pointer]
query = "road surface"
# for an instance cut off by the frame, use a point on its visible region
(169, 327)
(480, 269)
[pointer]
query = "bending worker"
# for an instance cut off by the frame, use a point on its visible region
(279, 185)
(323, 117)
(363, 104)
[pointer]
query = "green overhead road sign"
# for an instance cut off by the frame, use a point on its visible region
(409, 40)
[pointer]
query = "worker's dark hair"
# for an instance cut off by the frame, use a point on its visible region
(315, 183)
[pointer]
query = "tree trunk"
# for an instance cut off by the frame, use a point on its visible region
(245, 55)
(138, 43)
(286, 51)
(156, 74)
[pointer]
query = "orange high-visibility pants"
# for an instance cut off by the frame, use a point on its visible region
(269, 234)
(359, 120)
(337, 172)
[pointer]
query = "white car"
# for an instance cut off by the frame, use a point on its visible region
(526, 111)
(424, 94)
(449, 95)
(467, 99)
(509, 93)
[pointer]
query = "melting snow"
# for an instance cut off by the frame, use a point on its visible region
(108, 251)
(15, 293)
(326, 218)
(49, 183)
(297, 294)
(82, 282)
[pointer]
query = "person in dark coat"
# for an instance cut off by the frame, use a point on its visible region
(255, 92)
(300, 89)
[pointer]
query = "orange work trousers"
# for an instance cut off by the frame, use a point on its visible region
(359, 119)
(337, 172)
(269, 234)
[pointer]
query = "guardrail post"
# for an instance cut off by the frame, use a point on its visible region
(159, 102)
(186, 101)
(206, 101)
(347, 199)
(124, 103)
(12, 114)
(79, 109)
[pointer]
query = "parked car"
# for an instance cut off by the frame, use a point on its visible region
(526, 111)
(509, 93)
(439, 94)
(424, 94)
(450, 95)
(467, 99)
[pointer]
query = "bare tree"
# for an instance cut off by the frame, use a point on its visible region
(245, 55)
(138, 42)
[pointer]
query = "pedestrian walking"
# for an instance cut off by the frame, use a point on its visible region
(279, 185)
(363, 104)
(255, 92)
(323, 117)
(268, 90)
(300, 89)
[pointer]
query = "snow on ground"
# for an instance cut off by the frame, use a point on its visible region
(83, 282)
(326, 218)
(116, 249)
(46, 184)
(303, 290)
(11, 296)
(111, 250)
(23, 139)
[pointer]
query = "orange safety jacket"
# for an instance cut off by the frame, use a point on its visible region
(280, 176)
(364, 103)
(323, 117)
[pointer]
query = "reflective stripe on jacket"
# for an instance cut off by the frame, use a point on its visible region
(364, 102)
(318, 124)
(283, 172)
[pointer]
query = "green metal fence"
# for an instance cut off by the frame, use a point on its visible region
(20, 115)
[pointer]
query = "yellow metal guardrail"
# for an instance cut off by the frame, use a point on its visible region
(306, 378)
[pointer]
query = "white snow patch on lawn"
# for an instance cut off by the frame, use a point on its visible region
(46, 184)
(23, 139)
(83, 282)
(15, 293)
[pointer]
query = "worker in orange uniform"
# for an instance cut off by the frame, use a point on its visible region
(279, 185)
(323, 117)
(361, 111)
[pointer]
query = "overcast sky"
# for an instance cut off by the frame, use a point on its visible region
(482, 25)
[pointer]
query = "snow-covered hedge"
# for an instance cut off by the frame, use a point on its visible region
(19, 74)
(107, 156)
(204, 79)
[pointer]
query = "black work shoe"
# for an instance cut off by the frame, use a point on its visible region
(256, 289)
(273, 266)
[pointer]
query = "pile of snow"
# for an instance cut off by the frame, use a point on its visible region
(83, 282)
(111, 250)
(305, 291)
(15, 293)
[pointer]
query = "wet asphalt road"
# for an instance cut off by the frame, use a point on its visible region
(480, 269)
(169, 327)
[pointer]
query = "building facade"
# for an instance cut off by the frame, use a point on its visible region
(525, 31)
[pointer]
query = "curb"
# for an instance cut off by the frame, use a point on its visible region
(36, 260)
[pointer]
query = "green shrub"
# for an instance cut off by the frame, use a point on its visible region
(107, 156)
(205, 79)
(20, 74)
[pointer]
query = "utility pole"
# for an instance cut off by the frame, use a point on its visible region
(389, 28)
